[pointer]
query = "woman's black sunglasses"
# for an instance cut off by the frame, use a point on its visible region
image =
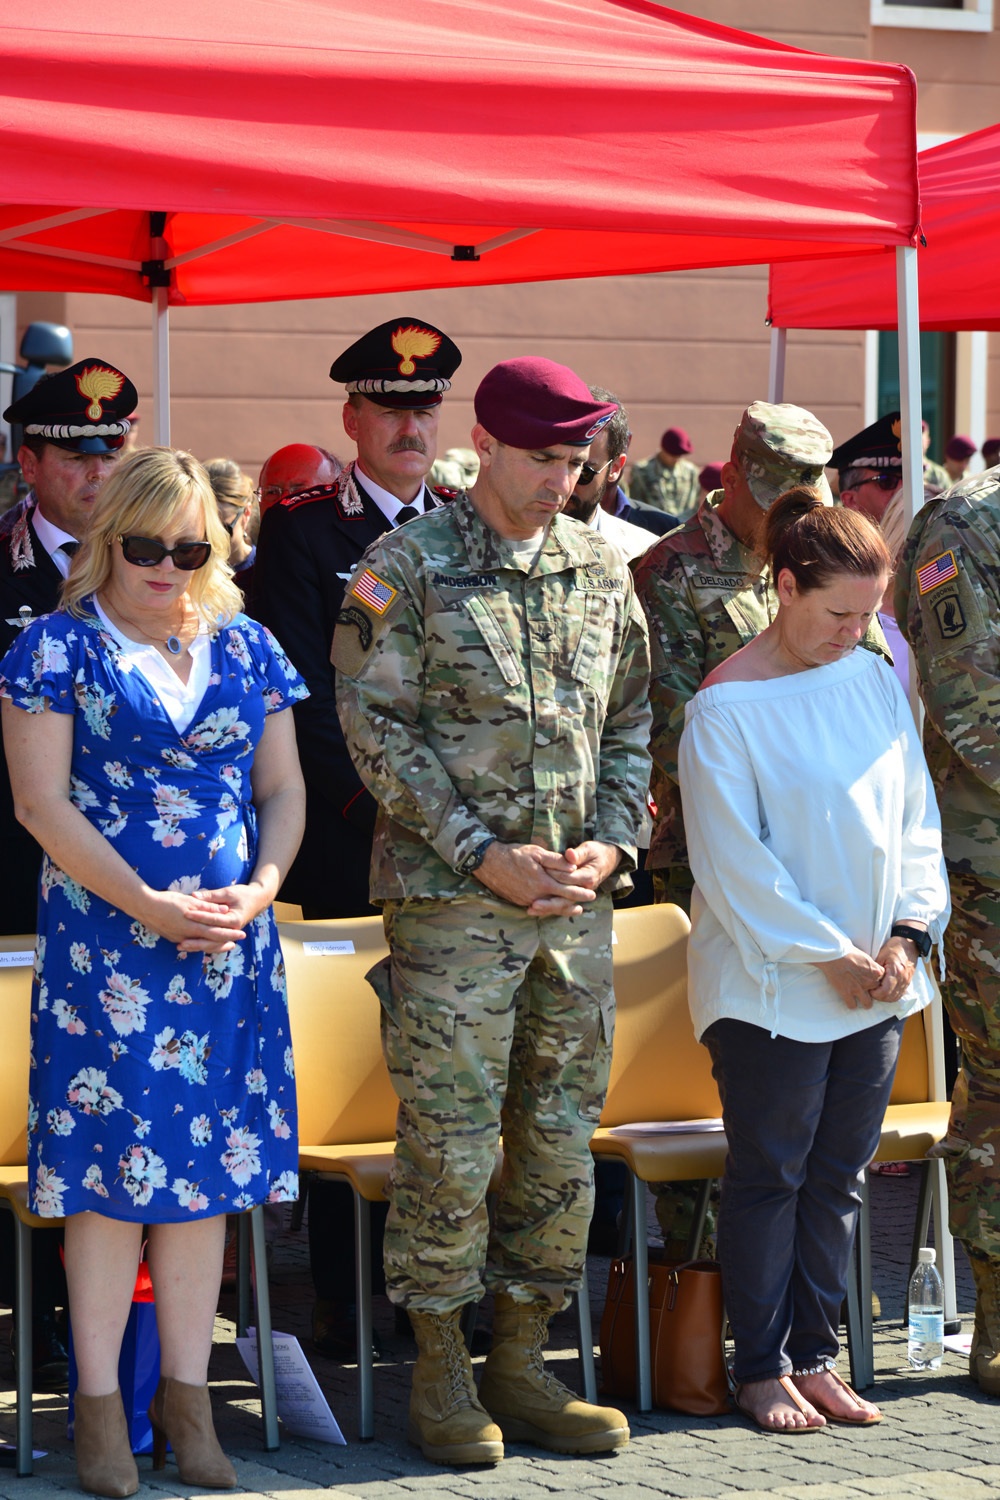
(147, 552)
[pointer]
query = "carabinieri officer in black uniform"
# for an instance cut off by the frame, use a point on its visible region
(309, 545)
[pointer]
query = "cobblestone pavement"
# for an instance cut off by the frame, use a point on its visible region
(940, 1439)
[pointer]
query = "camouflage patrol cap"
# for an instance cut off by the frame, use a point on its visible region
(780, 446)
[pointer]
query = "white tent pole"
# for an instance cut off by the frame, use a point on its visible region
(776, 372)
(161, 366)
(908, 313)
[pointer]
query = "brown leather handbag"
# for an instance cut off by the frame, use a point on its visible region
(686, 1328)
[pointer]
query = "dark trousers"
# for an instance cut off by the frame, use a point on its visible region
(802, 1121)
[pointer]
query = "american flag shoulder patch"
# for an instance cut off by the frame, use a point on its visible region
(940, 569)
(374, 591)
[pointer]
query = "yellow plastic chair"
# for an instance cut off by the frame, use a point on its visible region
(16, 956)
(346, 1104)
(661, 1076)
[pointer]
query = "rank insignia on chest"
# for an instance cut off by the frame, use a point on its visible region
(374, 591)
(940, 569)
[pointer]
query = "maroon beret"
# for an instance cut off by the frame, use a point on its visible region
(710, 477)
(533, 403)
(676, 441)
(959, 447)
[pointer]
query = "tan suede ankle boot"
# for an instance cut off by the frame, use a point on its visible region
(446, 1420)
(182, 1415)
(529, 1404)
(104, 1462)
(984, 1355)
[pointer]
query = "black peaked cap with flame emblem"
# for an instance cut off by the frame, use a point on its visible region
(876, 447)
(404, 363)
(84, 408)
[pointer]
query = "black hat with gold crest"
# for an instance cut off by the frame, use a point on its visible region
(84, 408)
(404, 363)
(878, 446)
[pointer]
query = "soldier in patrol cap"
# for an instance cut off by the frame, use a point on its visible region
(706, 592)
(310, 542)
(948, 607)
(492, 680)
(74, 427)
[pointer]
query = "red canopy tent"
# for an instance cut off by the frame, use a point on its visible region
(959, 271)
(189, 152)
(306, 148)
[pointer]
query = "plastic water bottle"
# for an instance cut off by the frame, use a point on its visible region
(925, 1346)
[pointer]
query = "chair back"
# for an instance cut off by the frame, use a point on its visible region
(344, 1093)
(658, 1070)
(911, 1084)
(15, 1048)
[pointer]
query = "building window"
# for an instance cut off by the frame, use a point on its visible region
(934, 15)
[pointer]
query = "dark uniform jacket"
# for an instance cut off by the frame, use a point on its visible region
(29, 580)
(309, 545)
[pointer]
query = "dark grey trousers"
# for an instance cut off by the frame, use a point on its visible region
(802, 1121)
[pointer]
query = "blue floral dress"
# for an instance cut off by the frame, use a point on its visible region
(162, 1084)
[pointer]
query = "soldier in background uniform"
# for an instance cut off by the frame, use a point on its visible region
(309, 545)
(706, 592)
(75, 424)
(669, 480)
(492, 679)
(948, 607)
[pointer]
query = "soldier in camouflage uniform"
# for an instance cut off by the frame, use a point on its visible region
(492, 682)
(948, 607)
(669, 480)
(707, 592)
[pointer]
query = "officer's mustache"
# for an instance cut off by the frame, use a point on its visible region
(408, 445)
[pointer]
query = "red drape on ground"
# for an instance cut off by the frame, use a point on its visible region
(959, 268)
(628, 137)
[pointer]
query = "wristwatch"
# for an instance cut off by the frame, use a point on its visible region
(920, 939)
(470, 864)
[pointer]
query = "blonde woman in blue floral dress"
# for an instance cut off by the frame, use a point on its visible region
(151, 757)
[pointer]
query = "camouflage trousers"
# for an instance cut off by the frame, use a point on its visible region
(492, 1021)
(673, 884)
(972, 998)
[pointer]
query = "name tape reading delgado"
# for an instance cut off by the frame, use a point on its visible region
(330, 949)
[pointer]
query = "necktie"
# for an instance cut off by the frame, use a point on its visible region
(406, 514)
(70, 548)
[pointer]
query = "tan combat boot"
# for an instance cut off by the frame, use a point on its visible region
(529, 1404)
(446, 1420)
(984, 1355)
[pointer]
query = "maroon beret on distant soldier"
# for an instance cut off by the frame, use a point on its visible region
(676, 442)
(404, 363)
(533, 403)
(84, 408)
(959, 447)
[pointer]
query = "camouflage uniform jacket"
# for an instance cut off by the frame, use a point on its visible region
(705, 596)
(480, 698)
(673, 490)
(948, 608)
